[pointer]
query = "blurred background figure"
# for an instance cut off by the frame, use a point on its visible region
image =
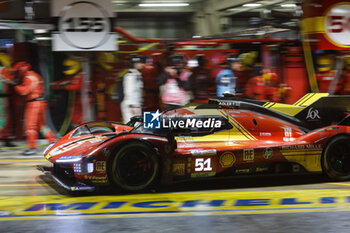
(175, 83)
(264, 87)
(106, 75)
(346, 76)
(150, 85)
(218, 61)
(203, 85)
(73, 81)
(325, 73)
(5, 65)
(30, 84)
(245, 70)
(226, 79)
(283, 93)
(132, 88)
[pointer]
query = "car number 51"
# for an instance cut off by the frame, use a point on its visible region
(203, 165)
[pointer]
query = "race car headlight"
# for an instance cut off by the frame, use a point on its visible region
(83, 168)
(48, 148)
(90, 167)
(69, 159)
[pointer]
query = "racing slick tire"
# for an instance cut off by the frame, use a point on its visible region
(135, 167)
(336, 158)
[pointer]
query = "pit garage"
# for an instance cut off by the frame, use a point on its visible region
(282, 59)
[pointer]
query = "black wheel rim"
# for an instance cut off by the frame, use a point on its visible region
(339, 157)
(135, 168)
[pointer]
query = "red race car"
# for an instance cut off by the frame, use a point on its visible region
(225, 137)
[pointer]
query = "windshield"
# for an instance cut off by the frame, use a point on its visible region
(94, 128)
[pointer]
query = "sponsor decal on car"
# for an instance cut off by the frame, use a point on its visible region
(97, 177)
(303, 147)
(202, 174)
(287, 131)
(203, 152)
(229, 103)
(261, 169)
(242, 171)
(227, 159)
(248, 155)
(101, 166)
(179, 169)
(313, 114)
(267, 153)
(103, 181)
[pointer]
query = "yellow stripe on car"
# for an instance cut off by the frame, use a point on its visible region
(309, 99)
(287, 109)
(302, 98)
(238, 129)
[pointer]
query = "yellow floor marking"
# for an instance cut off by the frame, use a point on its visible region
(173, 204)
(345, 184)
(23, 185)
(21, 160)
(28, 164)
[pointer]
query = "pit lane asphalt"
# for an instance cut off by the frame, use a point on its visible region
(26, 196)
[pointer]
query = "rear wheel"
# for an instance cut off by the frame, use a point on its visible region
(336, 158)
(134, 167)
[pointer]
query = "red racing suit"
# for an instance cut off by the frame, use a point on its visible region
(104, 82)
(259, 89)
(73, 83)
(32, 87)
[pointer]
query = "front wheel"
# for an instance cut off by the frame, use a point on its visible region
(336, 158)
(134, 167)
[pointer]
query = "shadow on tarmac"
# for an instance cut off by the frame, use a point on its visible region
(276, 182)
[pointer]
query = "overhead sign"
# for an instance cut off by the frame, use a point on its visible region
(337, 24)
(83, 25)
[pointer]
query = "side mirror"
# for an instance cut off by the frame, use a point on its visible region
(134, 119)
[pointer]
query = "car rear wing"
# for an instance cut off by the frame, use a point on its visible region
(312, 111)
(325, 111)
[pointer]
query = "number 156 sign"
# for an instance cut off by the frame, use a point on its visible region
(337, 24)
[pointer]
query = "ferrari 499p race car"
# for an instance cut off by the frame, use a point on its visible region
(225, 137)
